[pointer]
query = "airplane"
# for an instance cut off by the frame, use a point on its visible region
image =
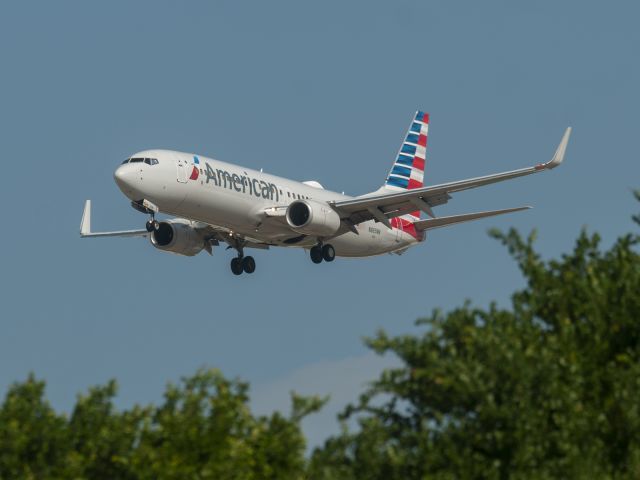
(213, 202)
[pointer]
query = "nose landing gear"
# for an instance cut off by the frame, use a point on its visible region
(322, 252)
(145, 206)
(152, 225)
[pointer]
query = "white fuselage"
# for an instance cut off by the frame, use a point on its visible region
(236, 198)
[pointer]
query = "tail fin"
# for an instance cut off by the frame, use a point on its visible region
(407, 172)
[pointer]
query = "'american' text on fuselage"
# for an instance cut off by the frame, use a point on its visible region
(241, 183)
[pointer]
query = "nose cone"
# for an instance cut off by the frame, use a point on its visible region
(128, 178)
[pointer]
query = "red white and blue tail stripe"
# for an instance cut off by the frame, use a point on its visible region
(408, 170)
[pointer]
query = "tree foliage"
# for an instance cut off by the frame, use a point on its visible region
(203, 430)
(549, 388)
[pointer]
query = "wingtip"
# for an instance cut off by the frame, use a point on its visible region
(85, 223)
(519, 209)
(558, 157)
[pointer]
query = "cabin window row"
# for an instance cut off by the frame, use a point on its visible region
(296, 195)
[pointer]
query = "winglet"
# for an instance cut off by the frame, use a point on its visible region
(559, 155)
(85, 227)
(85, 224)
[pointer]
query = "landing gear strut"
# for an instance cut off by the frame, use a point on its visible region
(322, 252)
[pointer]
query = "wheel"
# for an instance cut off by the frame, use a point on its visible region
(236, 265)
(316, 254)
(149, 226)
(328, 253)
(248, 264)
(156, 225)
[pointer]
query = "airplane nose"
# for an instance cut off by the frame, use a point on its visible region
(126, 178)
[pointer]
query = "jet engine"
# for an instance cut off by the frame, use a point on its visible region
(312, 218)
(177, 236)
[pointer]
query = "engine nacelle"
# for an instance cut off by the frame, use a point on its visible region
(313, 218)
(177, 236)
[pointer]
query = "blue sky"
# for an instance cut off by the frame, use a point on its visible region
(308, 90)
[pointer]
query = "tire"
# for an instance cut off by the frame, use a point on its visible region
(149, 226)
(328, 253)
(236, 266)
(316, 254)
(248, 264)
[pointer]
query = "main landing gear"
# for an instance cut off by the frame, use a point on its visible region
(322, 252)
(243, 264)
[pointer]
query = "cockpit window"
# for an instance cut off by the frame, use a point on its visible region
(148, 161)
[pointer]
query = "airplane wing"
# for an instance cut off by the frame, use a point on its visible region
(85, 227)
(385, 206)
(431, 223)
(212, 234)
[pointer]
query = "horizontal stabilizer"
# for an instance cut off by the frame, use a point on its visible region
(466, 217)
(85, 227)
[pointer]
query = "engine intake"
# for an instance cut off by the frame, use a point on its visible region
(312, 218)
(177, 236)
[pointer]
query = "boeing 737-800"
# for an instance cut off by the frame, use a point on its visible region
(213, 202)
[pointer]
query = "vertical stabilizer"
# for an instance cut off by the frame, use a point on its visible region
(407, 172)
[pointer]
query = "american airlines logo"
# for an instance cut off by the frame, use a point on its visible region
(241, 183)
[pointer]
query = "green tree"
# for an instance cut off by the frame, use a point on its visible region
(204, 429)
(549, 388)
(33, 439)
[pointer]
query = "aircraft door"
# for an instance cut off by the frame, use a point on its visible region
(182, 171)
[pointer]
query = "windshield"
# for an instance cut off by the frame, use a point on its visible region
(148, 161)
